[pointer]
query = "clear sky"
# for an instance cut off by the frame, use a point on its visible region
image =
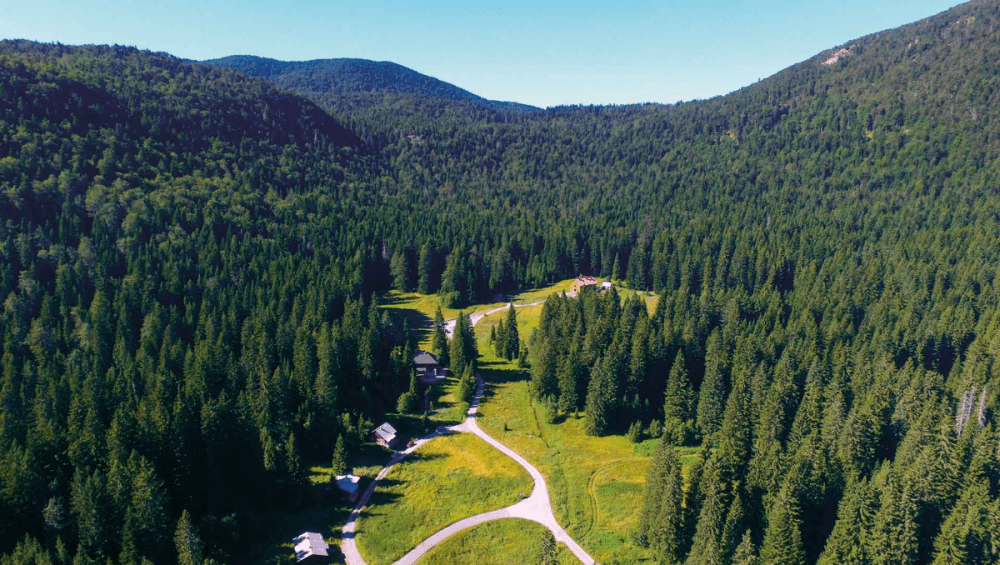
(534, 52)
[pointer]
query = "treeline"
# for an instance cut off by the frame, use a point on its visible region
(895, 136)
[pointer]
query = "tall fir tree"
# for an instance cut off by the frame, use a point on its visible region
(661, 521)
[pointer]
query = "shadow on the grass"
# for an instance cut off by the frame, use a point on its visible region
(419, 324)
(496, 372)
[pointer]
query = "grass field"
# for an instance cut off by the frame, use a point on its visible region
(504, 542)
(418, 311)
(449, 478)
(596, 484)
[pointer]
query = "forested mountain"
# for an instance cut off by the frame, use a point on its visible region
(342, 77)
(179, 319)
(190, 256)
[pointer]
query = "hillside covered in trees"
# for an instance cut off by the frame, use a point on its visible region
(191, 260)
(342, 77)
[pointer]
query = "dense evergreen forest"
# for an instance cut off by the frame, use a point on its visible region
(181, 318)
(190, 261)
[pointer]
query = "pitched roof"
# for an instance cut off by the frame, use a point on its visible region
(348, 483)
(309, 544)
(386, 432)
(424, 358)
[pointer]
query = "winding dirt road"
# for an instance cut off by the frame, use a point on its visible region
(449, 325)
(536, 507)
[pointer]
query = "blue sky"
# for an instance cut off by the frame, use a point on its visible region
(539, 53)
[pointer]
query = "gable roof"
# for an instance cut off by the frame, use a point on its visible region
(424, 358)
(309, 544)
(348, 483)
(386, 432)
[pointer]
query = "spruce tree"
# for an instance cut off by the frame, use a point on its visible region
(439, 341)
(661, 525)
(456, 350)
(424, 285)
(678, 403)
(568, 374)
(712, 395)
(339, 463)
(547, 552)
(400, 269)
(512, 347)
(782, 538)
(746, 553)
(600, 399)
(187, 541)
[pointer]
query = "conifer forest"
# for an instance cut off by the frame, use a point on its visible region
(193, 264)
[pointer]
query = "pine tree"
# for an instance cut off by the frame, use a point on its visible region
(894, 537)
(678, 404)
(746, 553)
(512, 347)
(782, 538)
(424, 285)
(711, 516)
(712, 396)
(600, 399)
(339, 464)
(439, 341)
(187, 541)
(400, 268)
(846, 542)
(462, 350)
(661, 519)
(547, 553)
(409, 401)
(569, 377)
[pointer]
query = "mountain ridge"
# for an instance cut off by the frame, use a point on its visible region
(340, 76)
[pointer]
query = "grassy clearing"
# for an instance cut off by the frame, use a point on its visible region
(537, 294)
(596, 484)
(418, 311)
(527, 321)
(450, 478)
(510, 541)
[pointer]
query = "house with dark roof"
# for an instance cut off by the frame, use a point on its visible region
(426, 364)
(386, 436)
(311, 548)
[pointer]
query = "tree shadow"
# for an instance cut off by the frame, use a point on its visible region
(499, 373)
(419, 324)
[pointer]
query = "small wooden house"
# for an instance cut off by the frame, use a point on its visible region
(386, 436)
(579, 283)
(311, 548)
(426, 364)
(348, 484)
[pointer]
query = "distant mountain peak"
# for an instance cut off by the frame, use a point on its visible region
(353, 76)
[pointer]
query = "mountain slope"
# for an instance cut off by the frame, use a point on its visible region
(341, 77)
